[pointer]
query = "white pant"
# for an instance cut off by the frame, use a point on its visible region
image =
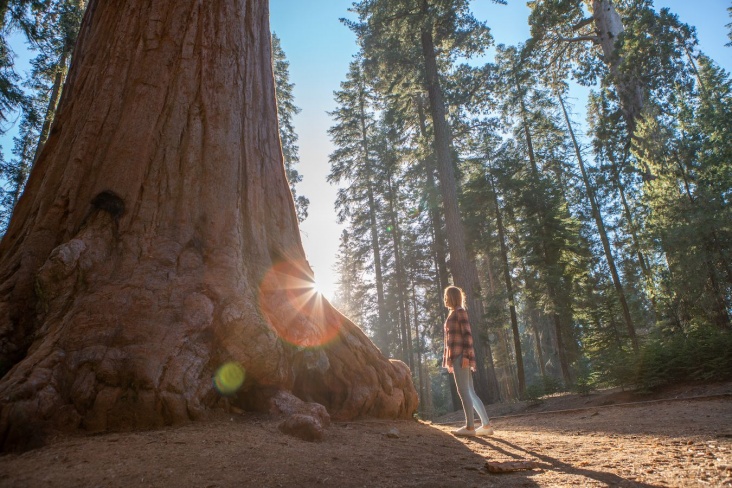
(464, 383)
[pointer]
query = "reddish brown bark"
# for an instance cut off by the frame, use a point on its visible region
(157, 239)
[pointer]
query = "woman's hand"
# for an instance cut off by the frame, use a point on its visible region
(450, 369)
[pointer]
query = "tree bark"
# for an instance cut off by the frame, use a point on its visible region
(463, 268)
(157, 239)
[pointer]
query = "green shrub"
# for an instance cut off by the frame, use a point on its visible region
(545, 386)
(533, 393)
(703, 354)
(550, 384)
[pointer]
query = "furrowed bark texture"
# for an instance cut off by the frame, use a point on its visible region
(157, 239)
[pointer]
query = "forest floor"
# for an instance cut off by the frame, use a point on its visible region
(679, 437)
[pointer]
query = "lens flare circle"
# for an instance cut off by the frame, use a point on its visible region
(229, 378)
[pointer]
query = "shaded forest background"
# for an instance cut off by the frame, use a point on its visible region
(601, 248)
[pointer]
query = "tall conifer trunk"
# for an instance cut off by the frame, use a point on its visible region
(438, 240)
(534, 322)
(382, 334)
(609, 27)
(157, 239)
(401, 281)
(544, 239)
(463, 268)
(521, 376)
(630, 326)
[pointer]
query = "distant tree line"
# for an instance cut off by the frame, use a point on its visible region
(593, 252)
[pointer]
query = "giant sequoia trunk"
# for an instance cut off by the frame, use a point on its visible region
(157, 239)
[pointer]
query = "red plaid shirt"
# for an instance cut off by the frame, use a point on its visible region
(458, 338)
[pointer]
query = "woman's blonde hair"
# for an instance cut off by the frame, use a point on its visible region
(454, 297)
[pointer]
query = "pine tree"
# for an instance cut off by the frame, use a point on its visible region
(351, 295)
(628, 45)
(353, 163)
(53, 36)
(548, 231)
(403, 43)
(286, 110)
(600, 223)
(690, 152)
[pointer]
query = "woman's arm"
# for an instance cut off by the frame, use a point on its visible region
(467, 340)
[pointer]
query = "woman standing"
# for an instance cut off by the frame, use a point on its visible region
(459, 359)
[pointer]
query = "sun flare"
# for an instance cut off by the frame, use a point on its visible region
(305, 320)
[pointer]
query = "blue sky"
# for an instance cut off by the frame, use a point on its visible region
(319, 48)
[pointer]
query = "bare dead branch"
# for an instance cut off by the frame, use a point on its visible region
(582, 23)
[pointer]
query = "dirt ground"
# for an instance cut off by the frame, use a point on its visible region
(681, 437)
